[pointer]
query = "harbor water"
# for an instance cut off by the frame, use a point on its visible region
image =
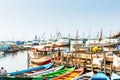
(19, 60)
(14, 61)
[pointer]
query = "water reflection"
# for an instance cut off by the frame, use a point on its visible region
(14, 61)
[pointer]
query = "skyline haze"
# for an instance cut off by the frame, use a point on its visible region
(23, 19)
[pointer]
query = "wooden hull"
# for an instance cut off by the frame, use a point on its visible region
(59, 45)
(42, 60)
(45, 71)
(54, 74)
(85, 76)
(46, 66)
(11, 51)
(14, 78)
(70, 75)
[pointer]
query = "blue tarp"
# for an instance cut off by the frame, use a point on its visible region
(19, 42)
(99, 76)
(0, 78)
(118, 47)
(4, 47)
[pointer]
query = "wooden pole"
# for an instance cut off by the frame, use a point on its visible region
(57, 58)
(76, 47)
(104, 62)
(79, 59)
(91, 58)
(28, 60)
(91, 61)
(114, 69)
(67, 60)
(72, 59)
(111, 69)
(75, 58)
(109, 40)
(62, 61)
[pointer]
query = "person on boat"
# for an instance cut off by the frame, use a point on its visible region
(44, 77)
(3, 72)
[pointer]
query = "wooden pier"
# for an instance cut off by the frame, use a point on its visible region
(85, 60)
(77, 59)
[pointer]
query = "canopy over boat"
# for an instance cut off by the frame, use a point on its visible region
(115, 76)
(118, 47)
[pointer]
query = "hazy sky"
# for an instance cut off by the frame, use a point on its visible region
(23, 19)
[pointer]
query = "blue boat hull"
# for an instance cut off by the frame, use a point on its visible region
(46, 66)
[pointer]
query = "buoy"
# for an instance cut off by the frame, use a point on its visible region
(95, 49)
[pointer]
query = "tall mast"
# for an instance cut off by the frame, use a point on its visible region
(76, 48)
(100, 35)
(109, 40)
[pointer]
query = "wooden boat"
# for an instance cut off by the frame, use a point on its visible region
(70, 75)
(85, 76)
(45, 71)
(53, 74)
(115, 76)
(99, 76)
(61, 42)
(33, 65)
(79, 45)
(41, 61)
(14, 78)
(46, 66)
(12, 48)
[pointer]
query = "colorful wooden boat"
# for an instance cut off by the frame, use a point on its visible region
(14, 78)
(85, 76)
(43, 60)
(54, 74)
(99, 76)
(45, 71)
(70, 75)
(46, 66)
(115, 76)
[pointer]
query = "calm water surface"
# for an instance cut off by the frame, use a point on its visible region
(14, 61)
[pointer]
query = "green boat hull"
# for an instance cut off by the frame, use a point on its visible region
(46, 71)
(48, 76)
(9, 78)
(53, 74)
